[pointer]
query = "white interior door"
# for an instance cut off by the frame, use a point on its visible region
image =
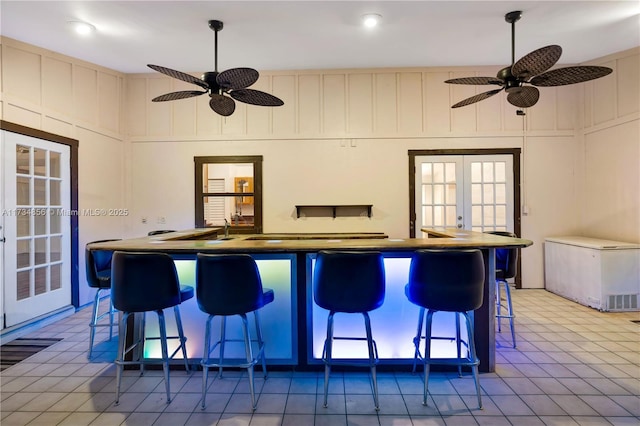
(473, 192)
(37, 227)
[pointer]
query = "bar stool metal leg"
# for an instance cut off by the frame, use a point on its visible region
(260, 343)
(249, 354)
(183, 340)
(472, 356)
(96, 317)
(427, 356)
(373, 356)
(223, 339)
(165, 352)
(510, 315)
(326, 357)
(205, 359)
(417, 339)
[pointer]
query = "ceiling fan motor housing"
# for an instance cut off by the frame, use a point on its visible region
(210, 78)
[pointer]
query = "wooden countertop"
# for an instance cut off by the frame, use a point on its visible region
(195, 240)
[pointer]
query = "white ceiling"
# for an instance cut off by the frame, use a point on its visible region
(293, 35)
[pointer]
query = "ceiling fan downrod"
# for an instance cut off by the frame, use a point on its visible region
(512, 18)
(216, 26)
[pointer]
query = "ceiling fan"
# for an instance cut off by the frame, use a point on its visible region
(222, 87)
(519, 78)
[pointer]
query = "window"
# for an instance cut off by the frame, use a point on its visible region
(229, 189)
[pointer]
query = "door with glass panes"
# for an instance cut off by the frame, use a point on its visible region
(36, 209)
(473, 192)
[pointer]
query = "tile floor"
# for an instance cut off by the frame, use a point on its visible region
(573, 366)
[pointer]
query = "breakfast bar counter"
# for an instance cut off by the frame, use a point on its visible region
(293, 326)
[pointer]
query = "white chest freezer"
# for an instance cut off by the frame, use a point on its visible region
(602, 274)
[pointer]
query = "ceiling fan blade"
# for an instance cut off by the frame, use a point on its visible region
(177, 95)
(475, 80)
(536, 62)
(221, 104)
(476, 98)
(255, 97)
(237, 78)
(523, 97)
(570, 75)
(179, 75)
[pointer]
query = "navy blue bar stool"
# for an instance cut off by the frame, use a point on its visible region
(147, 282)
(451, 281)
(349, 282)
(227, 285)
(506, 268)
(98, 268)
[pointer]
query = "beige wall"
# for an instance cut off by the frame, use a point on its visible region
(342, 137)
(57, 94)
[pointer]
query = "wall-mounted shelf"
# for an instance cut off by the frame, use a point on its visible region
(334, 208)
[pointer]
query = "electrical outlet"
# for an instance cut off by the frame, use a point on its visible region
(143, 219)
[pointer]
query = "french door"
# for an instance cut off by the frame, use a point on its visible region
(36, 228)
(473, 192)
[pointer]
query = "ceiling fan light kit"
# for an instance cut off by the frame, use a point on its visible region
(519, 79)
(222, 87)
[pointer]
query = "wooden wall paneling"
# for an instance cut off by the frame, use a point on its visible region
(360, 103)
(136, 106)
(463, 119)
(259, 117)
(334, 104)
(109, 101)
(587, 95)
(385, 104)
(22, 74)
(57, 85)
(490, 112)
(160, 113)
(2, 47)
(85, 93)
(208, 123)
(184, 110)
(567, 107)
(19, 115)
(58, 126)
(542, 116)
(604, 96)
(437, 102)
(283, 118)
(510, 119)
(309, 104)
(236, 123)
(628, 88)
(410, 107)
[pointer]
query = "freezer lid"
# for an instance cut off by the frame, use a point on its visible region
(593, 243)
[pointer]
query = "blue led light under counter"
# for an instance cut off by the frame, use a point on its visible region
(278, 318)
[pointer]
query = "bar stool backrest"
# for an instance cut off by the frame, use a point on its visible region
(349, 281)
(98, 265)
(228, 284)
(144, 282)
(447, 280)
(506, 259)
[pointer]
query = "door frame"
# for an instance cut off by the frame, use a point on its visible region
(73, 160)
(515, 154)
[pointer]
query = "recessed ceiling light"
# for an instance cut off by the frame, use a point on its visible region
(82, 28)
(371, 20)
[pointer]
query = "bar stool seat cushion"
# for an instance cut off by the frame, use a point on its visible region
(145, 268)
(425, 275)
(349, 284)
(245, 295)
(186, 292)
